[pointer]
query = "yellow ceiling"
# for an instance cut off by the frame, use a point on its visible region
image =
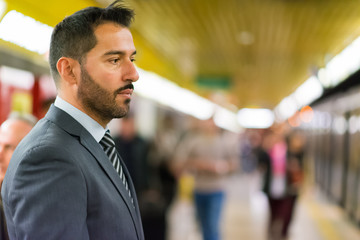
(264, 48)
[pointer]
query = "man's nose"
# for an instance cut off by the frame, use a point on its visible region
(131, 73)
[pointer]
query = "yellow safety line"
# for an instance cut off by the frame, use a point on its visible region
(325, 225)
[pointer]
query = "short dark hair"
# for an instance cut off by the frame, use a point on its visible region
(74, 36)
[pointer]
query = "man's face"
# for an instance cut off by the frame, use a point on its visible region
(11, 133)
(107, 74)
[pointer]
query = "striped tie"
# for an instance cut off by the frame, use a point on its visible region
(109, 147)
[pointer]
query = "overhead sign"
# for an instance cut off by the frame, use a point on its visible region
(214, 82)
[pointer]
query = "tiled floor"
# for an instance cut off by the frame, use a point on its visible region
(246, 212)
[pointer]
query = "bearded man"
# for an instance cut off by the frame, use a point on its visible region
(66, 180)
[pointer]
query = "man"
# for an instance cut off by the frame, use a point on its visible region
(61, 182)
(12, 131)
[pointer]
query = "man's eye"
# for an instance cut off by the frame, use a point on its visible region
(114, 61)
(133, 60)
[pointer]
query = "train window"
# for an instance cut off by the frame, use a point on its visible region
(351, 174)
(337, 161)
(340, 125)
(353, 124)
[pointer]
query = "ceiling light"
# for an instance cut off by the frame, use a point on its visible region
(323, 78)
(286, 108)
(344, 64)
(25, 32)
(304, 95)
(310, 90)
(164, 92)
(255, 117)
(169, 94)
(245, 38)
(226, 119)
(337, 70)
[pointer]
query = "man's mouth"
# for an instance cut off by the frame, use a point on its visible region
(126, 90)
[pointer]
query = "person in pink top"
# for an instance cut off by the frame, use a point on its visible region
(280, 158)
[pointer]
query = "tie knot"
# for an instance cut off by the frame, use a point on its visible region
(107, 140)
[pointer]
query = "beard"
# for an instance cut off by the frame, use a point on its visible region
(99, 101)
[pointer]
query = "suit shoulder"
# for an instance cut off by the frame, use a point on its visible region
(46, 134)
(46, 142)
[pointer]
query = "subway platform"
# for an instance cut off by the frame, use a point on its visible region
(246, 214)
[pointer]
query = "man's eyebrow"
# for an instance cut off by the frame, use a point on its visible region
(118, 53)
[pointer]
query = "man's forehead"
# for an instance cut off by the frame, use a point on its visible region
(14, 129)
(111, 32)
(113, 42)
(5, 137)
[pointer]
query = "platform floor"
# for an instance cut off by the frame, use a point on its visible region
(246, 213)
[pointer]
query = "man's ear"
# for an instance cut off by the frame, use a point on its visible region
(67, 68)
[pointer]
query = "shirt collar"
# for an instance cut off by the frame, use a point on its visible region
(93, 127)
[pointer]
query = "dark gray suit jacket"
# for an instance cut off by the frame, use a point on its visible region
(60, 184)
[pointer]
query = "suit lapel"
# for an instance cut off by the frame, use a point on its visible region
(70, 125)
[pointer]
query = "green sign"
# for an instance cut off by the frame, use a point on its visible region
(214, 82)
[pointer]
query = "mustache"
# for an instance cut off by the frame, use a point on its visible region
(129, 86)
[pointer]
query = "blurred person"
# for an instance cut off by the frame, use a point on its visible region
(207, 155)
(65, 179)
(162, 156)
(281, 160)
(134, 149)
(162, 178)
(12, 131)
(294, 174)
(248, 158)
